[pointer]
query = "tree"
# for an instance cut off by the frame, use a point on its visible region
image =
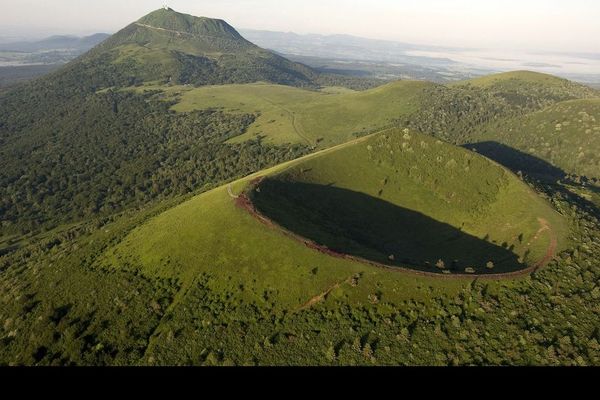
(367, 351)
(330, 354)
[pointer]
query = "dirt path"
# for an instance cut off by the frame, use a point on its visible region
(323, 296)
(544, 227)
(179, 33)
(293, 117)
(163, 29)
(230, 192)
(551, 252)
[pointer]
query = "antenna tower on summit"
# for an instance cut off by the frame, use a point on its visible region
(165, 6)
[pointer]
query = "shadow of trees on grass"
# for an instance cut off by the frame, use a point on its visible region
(547, 176)
(516, 160)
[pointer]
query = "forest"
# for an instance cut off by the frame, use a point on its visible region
(115, 150)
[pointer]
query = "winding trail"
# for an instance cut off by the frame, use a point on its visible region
(323, 296)
(230, 192)
(551, 252)
(179, 33)
(244, 202)
(292, 115)
(163, 29)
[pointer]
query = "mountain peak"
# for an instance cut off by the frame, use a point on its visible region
(169, 46)
(170, 20)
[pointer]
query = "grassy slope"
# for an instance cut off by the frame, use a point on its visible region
(212, 246)
(209, 234)
(415, 173)
(290, 115)
(566, 135)
(528, 90)
(529, 76)
(517, 81)
(189, 242)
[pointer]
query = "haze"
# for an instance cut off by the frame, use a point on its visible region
(549, 25)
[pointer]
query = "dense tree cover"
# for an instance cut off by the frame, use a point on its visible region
(114, 150)
(350, 82)
(455, 113)
(72, 149)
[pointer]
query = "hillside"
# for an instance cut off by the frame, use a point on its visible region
(394, 180)
(207, 283)
(286, 115)
(457, 111)
(405, 199)
(74, 146)
(180, 196)
(559, 140)
(531, 89)
(172, 47)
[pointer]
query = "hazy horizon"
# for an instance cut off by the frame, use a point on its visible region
(500, 25)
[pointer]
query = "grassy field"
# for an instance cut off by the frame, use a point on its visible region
(291, 115)
(205, 283)
(423, 175)
(529, 91)
(123, 247)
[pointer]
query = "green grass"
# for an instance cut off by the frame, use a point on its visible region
(319, 118)
(205, 283)
(530, 90)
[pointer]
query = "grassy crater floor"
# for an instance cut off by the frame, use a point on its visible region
(407, 200)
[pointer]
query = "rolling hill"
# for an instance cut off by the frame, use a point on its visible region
(286, 115)
(395, 188)
(91, 149)
(456, 111)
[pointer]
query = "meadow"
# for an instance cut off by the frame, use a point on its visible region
(286, 114)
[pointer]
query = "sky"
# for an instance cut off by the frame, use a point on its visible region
(546, 25)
